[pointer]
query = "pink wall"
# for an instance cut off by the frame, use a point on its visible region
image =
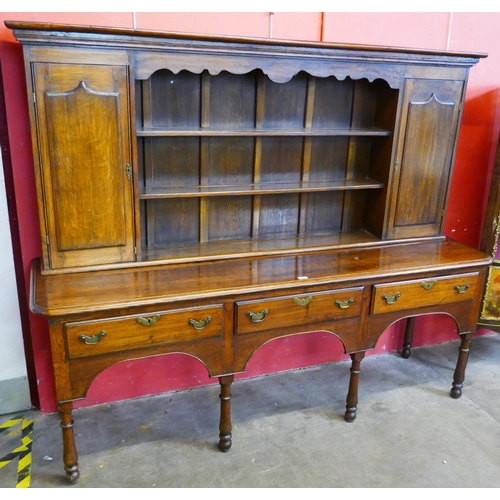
(476, 32)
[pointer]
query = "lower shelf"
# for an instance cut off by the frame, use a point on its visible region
(236, 249)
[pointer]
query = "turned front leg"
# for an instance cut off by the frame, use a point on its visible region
(463, 356)
(225, 426)
(70, 456)
(352, 395)
(408, 340)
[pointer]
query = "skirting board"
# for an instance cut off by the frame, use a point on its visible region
(14, 395)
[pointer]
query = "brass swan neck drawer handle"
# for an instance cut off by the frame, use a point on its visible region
(302, 302)
(427, 285)
(462, 288)
(148, 321)
(92, 339)
(391, 299)
(257, 317)
(344, 304)
(202, 323)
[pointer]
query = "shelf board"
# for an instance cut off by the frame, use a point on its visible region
(238, 249)
(260, 189)
(261, 132)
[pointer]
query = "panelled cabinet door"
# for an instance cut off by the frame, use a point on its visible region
(425, 150)
(84, 164)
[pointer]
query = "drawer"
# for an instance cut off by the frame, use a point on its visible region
(160, 328)
(402, 295)
(297, 310)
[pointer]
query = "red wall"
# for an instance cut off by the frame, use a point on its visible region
(477, 32)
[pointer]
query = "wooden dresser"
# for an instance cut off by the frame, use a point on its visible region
(206, 194)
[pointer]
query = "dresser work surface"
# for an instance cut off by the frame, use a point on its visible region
(205, 195)
(92, 291)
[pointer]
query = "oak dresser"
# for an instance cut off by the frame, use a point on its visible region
(206, 194)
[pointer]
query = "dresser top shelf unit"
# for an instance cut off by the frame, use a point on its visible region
(187, 145)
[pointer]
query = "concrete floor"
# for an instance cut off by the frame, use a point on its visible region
(289, 431)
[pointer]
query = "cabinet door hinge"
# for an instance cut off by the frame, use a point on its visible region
(34, 98)
(128, 171)
(135, 250)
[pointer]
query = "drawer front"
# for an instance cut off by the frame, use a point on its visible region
(297, 310)
(120, 334)
(392, 297)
